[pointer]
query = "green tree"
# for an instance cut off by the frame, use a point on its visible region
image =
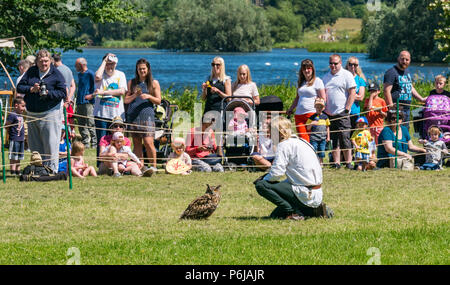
(215, 25)
(284, 24)
(40, 21)
(409, 25)
(442, 33)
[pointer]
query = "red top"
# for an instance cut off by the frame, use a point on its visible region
(106, 140)
(374, 116)
(195, 139)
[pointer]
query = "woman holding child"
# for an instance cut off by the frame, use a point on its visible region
(309, 87)
(144, 93)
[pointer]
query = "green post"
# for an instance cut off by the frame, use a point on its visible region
(69, 165)
(396, 131)
(3, 147)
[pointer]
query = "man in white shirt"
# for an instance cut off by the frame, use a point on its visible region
(300, 195)
(340, 94)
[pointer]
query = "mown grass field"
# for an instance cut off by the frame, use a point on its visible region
(132, 220)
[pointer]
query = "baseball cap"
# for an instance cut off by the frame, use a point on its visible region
(362, 120)
(117, 136)
(373, 86)
(319, 101)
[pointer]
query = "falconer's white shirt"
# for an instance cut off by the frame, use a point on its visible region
(297, 159)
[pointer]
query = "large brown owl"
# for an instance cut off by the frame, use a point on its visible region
(203, 206)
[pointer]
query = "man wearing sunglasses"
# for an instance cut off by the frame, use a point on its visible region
(398, 85)
(340, 94)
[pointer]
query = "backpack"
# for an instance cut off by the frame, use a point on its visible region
(40, 173)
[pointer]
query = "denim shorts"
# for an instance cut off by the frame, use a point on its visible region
(319, 147)
(16, 150)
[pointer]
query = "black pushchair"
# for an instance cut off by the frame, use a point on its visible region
(237, 146)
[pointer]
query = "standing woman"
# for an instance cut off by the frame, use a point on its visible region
(216, 87)
(244, 86)
(143, 94)
(353, 66)
(309, 87)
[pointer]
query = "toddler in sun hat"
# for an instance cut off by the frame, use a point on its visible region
(179, 161)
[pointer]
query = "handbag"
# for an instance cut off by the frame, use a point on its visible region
(403, 163)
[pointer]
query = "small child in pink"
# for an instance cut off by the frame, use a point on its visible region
(78, 166)
(121, 165)
(238, 125)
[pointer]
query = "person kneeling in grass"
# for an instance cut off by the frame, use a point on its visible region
(300, 195)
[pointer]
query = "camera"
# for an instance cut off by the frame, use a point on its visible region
(43, 92)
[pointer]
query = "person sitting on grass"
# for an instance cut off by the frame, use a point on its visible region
(79, 167)
(202, 148)
(63, 149)
(265, 151)
(121, 165)
(184, 163)
(435, 148)
(361, 139)
(388, 148)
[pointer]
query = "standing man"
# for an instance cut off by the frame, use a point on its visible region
(70, 85)
(44, 88)
(340, 94)
(85, 108)
(398, 85)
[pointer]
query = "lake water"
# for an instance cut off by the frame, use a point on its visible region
(178, 69)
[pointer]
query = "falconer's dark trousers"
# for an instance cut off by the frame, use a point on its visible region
(282, 195)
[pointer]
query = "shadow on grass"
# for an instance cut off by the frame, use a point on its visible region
(251, 218)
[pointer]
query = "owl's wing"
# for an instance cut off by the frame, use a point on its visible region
(200, 208)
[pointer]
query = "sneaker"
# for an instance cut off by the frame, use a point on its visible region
(295, 217)
(147, 172)
(336, 165)
(153, 170)
(349, 166)
(117, 175)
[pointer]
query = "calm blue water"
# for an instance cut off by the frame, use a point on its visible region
(191, 69)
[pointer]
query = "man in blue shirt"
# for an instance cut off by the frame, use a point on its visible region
(398, 85)
(85, 108)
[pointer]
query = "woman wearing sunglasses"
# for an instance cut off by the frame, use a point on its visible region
(353, 66)
(386, 147)
(217, 86)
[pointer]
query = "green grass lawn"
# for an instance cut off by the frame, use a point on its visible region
(135, 221)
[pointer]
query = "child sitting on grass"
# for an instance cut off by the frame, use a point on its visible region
(117, 162)
(183, 164)
(78, 166)
(361, 139)
(63, 149)
(435, 148)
